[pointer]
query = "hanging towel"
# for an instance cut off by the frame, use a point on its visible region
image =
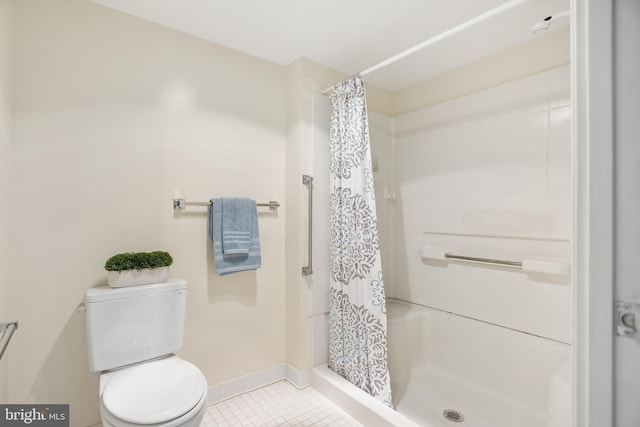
(238, 252)
(236, 225)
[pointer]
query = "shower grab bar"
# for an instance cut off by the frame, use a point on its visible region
(7, 329)
(181, 203)
(553, 266)
(504, 263)
(308, 270)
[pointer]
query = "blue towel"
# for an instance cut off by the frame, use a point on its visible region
(230, 255)
(236, 225)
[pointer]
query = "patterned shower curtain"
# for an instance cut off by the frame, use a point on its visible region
(357, 309)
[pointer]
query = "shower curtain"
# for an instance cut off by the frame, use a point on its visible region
(357, 310)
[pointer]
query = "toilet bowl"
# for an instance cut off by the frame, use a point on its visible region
(167, 392)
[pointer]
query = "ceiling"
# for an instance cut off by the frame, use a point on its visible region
(351, 35)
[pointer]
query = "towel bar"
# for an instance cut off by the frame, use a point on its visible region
(182, 203)
(7, 329)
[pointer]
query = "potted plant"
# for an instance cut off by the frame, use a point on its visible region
(138, 268)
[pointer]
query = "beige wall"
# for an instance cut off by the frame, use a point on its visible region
(114, 117)
(6, 106)
(296, 166)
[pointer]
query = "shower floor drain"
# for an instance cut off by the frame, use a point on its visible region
(453, 415)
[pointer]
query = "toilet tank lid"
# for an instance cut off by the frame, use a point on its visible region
(107, 293)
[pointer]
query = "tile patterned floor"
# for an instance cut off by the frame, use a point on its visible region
(277, 405)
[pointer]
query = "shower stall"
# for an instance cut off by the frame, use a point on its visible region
(485, 176)
(474, 199)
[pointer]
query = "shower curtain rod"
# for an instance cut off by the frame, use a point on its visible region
(435, 39)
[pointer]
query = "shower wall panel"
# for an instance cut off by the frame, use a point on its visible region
(489, 166)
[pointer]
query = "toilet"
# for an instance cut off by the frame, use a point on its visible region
(132, 334)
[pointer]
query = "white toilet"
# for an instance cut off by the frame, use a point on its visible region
(132, 333)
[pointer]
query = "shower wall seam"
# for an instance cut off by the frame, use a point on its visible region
(478, 320)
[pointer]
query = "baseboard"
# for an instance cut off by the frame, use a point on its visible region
(252, 381)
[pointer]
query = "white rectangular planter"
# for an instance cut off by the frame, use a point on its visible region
(120, 279)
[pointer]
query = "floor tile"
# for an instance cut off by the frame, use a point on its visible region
(276, 405)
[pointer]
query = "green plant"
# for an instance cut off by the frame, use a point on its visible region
(138, 261)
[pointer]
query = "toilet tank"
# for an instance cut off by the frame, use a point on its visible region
(133, 324)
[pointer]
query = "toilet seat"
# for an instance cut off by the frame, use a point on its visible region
(160, 392)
